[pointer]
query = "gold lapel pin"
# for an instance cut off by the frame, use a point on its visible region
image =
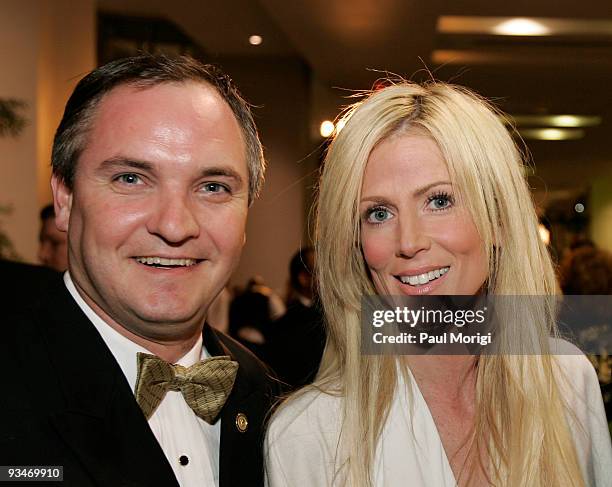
(242, 423)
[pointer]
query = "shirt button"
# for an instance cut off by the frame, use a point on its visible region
(183, 460)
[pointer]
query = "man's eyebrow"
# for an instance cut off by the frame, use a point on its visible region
(124, 162)
(221, 171)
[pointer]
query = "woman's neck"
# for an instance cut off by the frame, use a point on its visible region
(454, 376)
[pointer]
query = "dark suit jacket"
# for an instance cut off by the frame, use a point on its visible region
(22, 285)
(294, 346)
(65, 401)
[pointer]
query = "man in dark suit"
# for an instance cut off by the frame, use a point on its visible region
(114, 375)
(23, 284)
(295, 345)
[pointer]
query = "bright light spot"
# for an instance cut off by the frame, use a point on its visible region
(570, 121)
(566, 121)
(327, 128)
(544, 234)
(255, 40)
(574, 121)
(552, 134)
(579, 207)
(340, 125)
(521, 27)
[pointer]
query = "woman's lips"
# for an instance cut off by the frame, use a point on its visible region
(439, 275)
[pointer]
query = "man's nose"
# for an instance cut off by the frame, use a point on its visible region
(412, 237)
(174, 219)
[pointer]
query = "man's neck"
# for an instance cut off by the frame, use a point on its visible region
(169, 349)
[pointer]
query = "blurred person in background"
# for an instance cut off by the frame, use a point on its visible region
(23, 285)
(53, 244)
(586, 269)
(252, 311)
(296, 341)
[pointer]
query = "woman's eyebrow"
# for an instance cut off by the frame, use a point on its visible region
(379, 200)
(423, 189)
(417, 192)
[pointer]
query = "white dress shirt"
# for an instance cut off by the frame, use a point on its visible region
(183, 436)
(302, 439)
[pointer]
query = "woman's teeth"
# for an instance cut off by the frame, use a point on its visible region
(421, 279)
(161, 261)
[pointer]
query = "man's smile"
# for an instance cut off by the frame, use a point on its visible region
(165, 262)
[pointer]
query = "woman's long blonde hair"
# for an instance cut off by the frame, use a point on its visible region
(520, 422)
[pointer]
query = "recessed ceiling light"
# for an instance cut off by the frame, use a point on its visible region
(327, 128)
(521, 27)
(551, 134)
(255, 40)
(556, 120)
(516, 26)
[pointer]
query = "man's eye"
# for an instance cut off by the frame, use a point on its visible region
(214, 188)
(378, 215)
(128, 178)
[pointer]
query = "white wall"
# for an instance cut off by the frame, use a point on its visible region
(45, 47)
(280, 91)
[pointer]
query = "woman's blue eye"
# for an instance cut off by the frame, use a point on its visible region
(129, 178)
(378, 215)
(440, 202)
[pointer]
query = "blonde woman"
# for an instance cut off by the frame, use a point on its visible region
(426, 181)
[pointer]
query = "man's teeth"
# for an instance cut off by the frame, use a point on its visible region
(424, 278)
(161, 261)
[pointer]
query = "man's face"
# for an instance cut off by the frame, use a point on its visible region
(53, 248)
(156, 219)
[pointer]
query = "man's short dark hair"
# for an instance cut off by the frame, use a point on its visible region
(143, 72)
(47, 212)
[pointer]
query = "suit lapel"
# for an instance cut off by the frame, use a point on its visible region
(99, 418)
(240, 458)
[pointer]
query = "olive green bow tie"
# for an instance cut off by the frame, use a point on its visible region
(205, 385)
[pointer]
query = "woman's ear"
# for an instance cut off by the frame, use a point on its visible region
(62, 202)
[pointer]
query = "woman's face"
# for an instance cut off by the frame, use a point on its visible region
(416, 237)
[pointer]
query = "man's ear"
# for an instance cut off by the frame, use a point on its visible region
(62, 202)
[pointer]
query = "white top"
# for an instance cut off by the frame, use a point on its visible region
(302, 438)
(177, 428)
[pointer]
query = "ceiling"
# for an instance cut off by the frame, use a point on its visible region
(348, 43)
